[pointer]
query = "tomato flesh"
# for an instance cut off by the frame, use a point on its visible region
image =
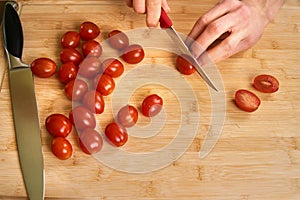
(90, 141)
(266, 83)
(127, 116)
(152, 105)
(61, 148)
(116, 134)
(247, 100)
(43, 67)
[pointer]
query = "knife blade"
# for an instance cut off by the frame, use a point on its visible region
(24, 107)
(167, 25)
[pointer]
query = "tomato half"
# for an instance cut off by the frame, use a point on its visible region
(152, 105)
(116, 134)
(76, 89)
(90, 141)
(184, 66)
(127, 116)
(91, 48)
(89, 67)
(247, 100)
(69, 54)
(82, 118)
(89, 31)
(266, 83)
(112, 67)
(118, 40)
(104, 84)
(61, 148)
(70, 39)
(67, 72)
(94, 101)
(133, 54)
(43, 67)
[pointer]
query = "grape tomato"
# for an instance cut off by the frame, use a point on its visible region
(127, 116)
(246, 100)
(116, 134)
(89, 30)
(69, 54)
(152, 105)
(58, 125)
(70, 39)
(61, 148)
(118, 39)
(91, 48)
(94, 101)
(104, 84)
(82, 118)
(184, 66)
(133, 54)
(112, 67)
(266, 83)
(76, 89)
(67, 72)
(90, 141)
(43, 67)
(89, 67)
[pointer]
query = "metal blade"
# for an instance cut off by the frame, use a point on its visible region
(27, 130)
(184, 49)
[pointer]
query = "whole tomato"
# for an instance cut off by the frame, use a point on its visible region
(152, 105)
(82, 118)
(90, 141)
(112, 67)
(104, 84)
(91, 48)
(61, 148)
(70, 39)
(184, 66)
(58, 125)
(89, 67)
(118, 40)
(246, 100)
(67, 72)
(69, 54)
(94, 101)
(116, 134)
(43, 67)
(89, 31)
(133, 54)
(127, 116)
(76, 89)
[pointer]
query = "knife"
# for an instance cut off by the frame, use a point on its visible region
(24, 107)
(166, 24)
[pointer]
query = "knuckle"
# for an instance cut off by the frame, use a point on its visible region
(214, 28)
(204, 20)
(154, 3)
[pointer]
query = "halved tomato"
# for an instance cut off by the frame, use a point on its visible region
(246, 100)
(266, 83)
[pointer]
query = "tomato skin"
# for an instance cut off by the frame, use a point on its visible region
(152, 105)
(67, 72)
(94, 101)
(88, 31)
(90, 141)
(91, 48)
(112, 67)
(184, 66)
(89, 67)
(75, 89)
(104, 84)
(61, 148)
(70, 39)
(58, 125)
(118, 39)
(82, 118)
(69, 54)
(43, 67)
(133, 54)
(116, 134)
(246, 100)
(127, 116)
(266, 83)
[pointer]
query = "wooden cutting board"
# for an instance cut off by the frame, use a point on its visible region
(256, 157)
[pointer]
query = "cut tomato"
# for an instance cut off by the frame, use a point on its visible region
(266, 83)
(246, 100)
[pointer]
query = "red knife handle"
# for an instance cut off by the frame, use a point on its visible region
(165, 21)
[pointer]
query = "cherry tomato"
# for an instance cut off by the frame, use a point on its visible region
(127, 116)
(133, 54)
(90, 141)
(70, 39)
(118, 40)
(82, 118)
(112, 67)
(67, 72)
(247, 100)
(266, 83)
(89, 31)
(152, 105)
(184, 66)
(61, 148)
(58, 125)
(104, 84)
(43, 67)
(116, 134)
(75, 89)
(94, 101)
(89, 67)
(91, 48)
(69, 54)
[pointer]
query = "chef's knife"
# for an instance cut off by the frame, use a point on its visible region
(166, 24)
(24, 107)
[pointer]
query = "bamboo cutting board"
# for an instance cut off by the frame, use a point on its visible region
(256, 157)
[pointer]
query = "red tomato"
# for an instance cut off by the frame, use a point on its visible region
(90, 141)
(58, 125)
(75, 89)
(89, 67)
(61, 148)
(43, 67)
(133, 54)
(246, 100)
(266, 83)
(127, 116)
(69, 54)
(112, 67)
(89, 31)
(82, 118)
(94, 101)
(91, 48)
(67, 72)
(184, 66)
(118, 40)
(152, 105)
(70, 39)
(116, 134)
(104, 84)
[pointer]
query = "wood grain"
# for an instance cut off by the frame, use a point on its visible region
(257, 156)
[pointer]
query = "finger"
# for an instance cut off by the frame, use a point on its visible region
(128, 3)
(139, 6)
(165, 6)
(153, 12)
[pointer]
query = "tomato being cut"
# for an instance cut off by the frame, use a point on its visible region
(104, 84)
(76, 89)
(67, 72)
(89, 31)
(133, 54)
(91, 48)
(90, 141)
(116, 134)
(69, 54)
(152, 105)
(43, 67)
(184, 66)
(82, 118)
(112, 67)
(247, 100)
(127, 116)
(70, 39)
(118, 40)
(94, 101)
(89, 67)
(58, 125)
(266, 83)
(61, 148)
